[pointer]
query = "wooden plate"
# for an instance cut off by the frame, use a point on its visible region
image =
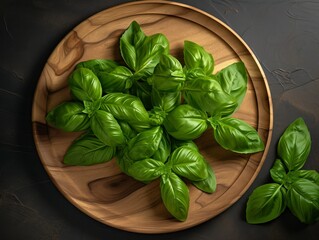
(102, 191)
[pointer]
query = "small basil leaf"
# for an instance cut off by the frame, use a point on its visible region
(125, 107)
(236, 135)
(117, 80)
(168, 75)
(209, 184)
(311, 175)
(294, 145)
(166, 101)
(195, 56)
(106, 128)
(209, 96)
(175, 195)
(145, 144)
(186, 122)
(69, 117)
(98, 65)
(85, 85)
(278, 172)
(266, 203)
(157, 116)
(188, 163)
(303, 200)
(233, 80)
(91, 107)
(164, 149)
(88, 150)
(146, 170)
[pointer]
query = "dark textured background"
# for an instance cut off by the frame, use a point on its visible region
(284, 35)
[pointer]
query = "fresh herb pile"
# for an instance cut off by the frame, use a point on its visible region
(293, 187)
(146, 112)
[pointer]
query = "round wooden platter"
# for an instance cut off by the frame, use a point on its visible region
(102, 191)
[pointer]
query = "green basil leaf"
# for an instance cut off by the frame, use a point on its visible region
(69, 117)
(209, 96)
(117, 80)
(91, 107)
(125, 107)
(278, 172)
(197, 73)
(236, 135)
(166, 101)
(127, 130)
(303, 200)
(88, 150)
(98, 65)
(157, 116)
(209, 184)
(85, 85)
(195, 56)
(145, 144)
(188, 163)
(233, 80)
(168, 75)
(186, 122)
(311, 175)
(183, 143)
(146, 170)
(123, 160)
(266, 203)
(106, 128)
(175, 195)
(164, 149)
(294, 145)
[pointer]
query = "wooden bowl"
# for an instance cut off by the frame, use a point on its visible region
(102, 191)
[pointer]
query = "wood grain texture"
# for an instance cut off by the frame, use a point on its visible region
(102, 191)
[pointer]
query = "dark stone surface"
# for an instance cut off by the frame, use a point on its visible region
(284, 35)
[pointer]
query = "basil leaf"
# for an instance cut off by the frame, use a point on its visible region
(157, 116)
(184, 143)
(303, 200)
(124, 161)
(85, 85)
(209, 184)
(164, 149)
(145, 144)
(88, 150)
(294, 145)
(195, 56)
(168, 75)
(185, 122)
(175, 195)
(278, 172)
(236, 135)
(106, 128)
(117, 80)
(68, 117)
(166, 101)
(209, 96)
(98, 65)
(146, 170)
(128, 132)
(91, 107)
(188, 163)
(233, 80)
(266, 203)
(310, 175)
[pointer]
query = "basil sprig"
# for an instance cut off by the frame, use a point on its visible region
(294, 188)
(146, 112)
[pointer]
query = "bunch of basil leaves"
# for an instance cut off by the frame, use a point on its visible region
(293, 187)
(147, 113)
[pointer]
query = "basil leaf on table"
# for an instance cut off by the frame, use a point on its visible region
(98, 65)
(266, 203)
(233, 80)
(85, 85)
(166, 101)
(164, 149)
(209, 184)
(117, 80)
(294, 145)
(189, 163)
(209, 96)
(311, 175)
(147, 170)
(236, 135)
(278, 172)
(175, 195)
(88, 150)
(186, 122)
(145, 144)
(195, 56)
(69, 117)
(303, 200)
(106, 128)
(168, 74)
